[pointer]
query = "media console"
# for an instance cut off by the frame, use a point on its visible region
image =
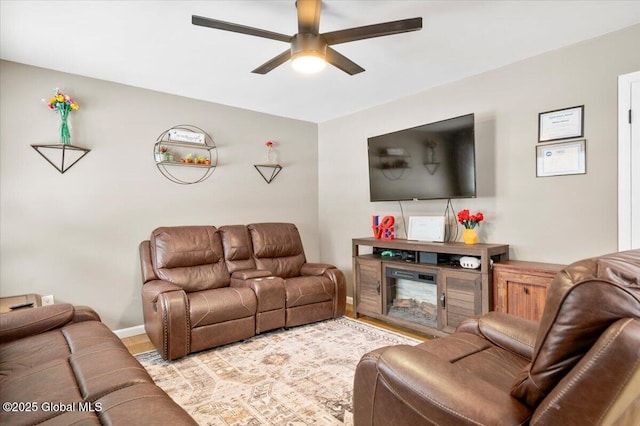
(421, 286)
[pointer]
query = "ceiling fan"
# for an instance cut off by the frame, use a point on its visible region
(309, 49)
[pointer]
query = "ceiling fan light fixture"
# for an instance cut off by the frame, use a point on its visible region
(308, 62)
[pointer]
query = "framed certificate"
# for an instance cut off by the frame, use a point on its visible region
(562, 158)
(426, 228)
(560, 124)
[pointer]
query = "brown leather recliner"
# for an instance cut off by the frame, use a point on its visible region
(204, 287)
(314, 291)
(579, 366)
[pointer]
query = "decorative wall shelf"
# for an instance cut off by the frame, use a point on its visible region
(179, 154)
(268, 171)
(68, 155)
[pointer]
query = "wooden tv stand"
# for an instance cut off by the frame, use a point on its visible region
(461, 293)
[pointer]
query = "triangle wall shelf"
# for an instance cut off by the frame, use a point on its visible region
(61, 156)
(268, 171)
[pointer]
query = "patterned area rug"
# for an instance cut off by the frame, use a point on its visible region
(300, 376)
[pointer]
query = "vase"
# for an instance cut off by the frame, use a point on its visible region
(469, 236)
(65, 135)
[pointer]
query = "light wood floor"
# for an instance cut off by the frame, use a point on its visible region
(141, 343)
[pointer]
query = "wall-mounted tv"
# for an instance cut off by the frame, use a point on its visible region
(428, 162)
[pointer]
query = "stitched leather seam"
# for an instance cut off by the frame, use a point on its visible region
(582, 371)
(433, 401)
(381, 377)
(187, 322)
(165, 326)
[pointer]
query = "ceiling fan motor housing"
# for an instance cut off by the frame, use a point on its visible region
(308, 44)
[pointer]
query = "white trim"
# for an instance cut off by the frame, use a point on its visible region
(349, 300)
(129, 332)
(624, 159)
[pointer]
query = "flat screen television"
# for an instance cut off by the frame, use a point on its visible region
(428, 162)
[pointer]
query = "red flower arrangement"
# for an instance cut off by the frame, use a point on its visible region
(468, 220)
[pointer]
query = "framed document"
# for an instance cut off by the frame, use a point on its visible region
(560, 124)
(426, 228)
(562, 158)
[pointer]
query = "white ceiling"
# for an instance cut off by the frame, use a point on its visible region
(153, 45)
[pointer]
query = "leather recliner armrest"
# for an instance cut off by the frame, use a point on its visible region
(85, 313)
(507, 331)
(410, 379)
(315, 269)
(165, 308)
(152, 289)
(29, 322)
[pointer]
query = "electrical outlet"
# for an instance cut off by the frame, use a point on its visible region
(47, 300)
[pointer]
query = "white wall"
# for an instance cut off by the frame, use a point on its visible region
(76, 235)
(553, 219)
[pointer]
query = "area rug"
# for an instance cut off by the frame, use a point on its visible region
(300, 376)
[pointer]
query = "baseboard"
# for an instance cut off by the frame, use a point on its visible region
(349, 300)
(131, 331)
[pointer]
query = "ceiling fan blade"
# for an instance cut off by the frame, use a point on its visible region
(370, 31)
(236, 28)
(308, 16)
(273, 63)
(342, 62)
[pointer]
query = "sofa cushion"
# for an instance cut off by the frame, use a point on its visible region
(236, 244)
(307, 290)
(19, 356)
(48, 382)
(190, 257)
(277, 247)
(476, 356)
(570, 326)
(220, 305)
(104, 368)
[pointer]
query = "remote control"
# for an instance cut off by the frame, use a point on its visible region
(21, 305)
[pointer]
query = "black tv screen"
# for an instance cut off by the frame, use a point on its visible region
(432, 161)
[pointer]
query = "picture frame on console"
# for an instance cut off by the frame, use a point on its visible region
(426, 228)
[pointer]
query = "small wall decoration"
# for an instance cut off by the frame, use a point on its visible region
(383, 229)
(562, 158)
(270, 170)
(181, 158)
(63, 104)
(180, 135)
(62, 155)
(560, 124)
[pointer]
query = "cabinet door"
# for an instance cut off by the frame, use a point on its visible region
(526, 300)
(368, 286)
(462, 292)
(521, 294)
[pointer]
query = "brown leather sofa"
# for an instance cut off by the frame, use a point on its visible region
(204, 287)
(579, 366)
(60, 365)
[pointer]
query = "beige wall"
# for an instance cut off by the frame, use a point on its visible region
(76, 235)
(552, 219)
